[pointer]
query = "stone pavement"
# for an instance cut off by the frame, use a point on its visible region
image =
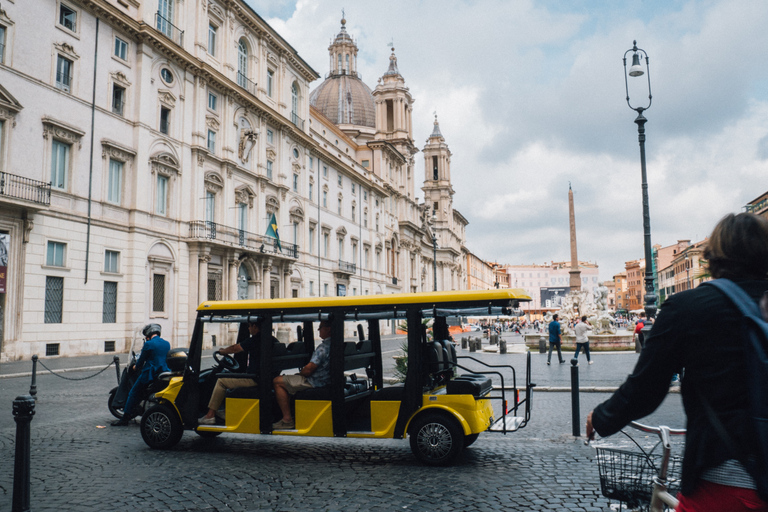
(80, 464)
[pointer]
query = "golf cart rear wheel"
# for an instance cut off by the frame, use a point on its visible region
(436, 438)
(161, 427)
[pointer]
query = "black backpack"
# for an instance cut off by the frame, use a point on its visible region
(755, 335)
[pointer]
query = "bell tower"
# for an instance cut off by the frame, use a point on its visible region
(394, 106)
(438, 191)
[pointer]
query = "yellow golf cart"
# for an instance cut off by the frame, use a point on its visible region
(442, 405)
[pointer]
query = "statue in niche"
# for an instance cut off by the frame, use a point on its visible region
(247, 142)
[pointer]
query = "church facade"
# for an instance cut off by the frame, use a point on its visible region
(156, 155)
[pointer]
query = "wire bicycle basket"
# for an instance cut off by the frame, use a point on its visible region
(627, 476)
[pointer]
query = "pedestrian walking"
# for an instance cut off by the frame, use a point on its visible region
(555, 339)
(582, 341)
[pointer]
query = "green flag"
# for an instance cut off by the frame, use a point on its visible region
(272, 231)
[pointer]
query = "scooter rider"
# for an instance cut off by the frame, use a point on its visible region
(151, 363)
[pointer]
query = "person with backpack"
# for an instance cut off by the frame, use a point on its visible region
(702, 330)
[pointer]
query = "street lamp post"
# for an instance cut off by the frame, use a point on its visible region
(636, 70)
(434, 250)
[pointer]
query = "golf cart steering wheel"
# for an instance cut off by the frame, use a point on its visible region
(226, 361)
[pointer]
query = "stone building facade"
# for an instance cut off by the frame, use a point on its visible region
(148, 149)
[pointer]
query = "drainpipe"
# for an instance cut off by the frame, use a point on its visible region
(90, 169)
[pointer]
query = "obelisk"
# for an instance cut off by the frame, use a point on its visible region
(575, 280)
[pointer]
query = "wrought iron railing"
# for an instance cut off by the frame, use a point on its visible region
(64, 81)
(246, 83)
(203, 229)
(346, 267)
(28, 189)
(168, 29)
(299, 122)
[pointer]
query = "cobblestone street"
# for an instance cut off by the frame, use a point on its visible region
(79, 463)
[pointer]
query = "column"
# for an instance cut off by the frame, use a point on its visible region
(265, 279)
(202, 279)
(233, 268)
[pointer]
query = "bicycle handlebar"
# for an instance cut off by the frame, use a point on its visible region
(656, 430)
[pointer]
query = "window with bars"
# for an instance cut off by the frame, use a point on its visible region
(214, 286)
(54, 299)
(109, 311)
(158, 292)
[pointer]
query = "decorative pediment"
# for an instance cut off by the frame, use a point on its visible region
(296, 167)
(212, 123)
(213, 182)
(164, 164)
(9, 106)
(111, 149)
(244, 194)
(216, 11)
(119, 77)
(271, 57)
(296, 214)
(271, 154)
(62, 131)
(341, 231)
(273, 204)
(66, 49)
(166, 97)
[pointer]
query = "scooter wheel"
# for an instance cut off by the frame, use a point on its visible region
(117, 412)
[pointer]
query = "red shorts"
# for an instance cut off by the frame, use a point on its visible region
(711, 497)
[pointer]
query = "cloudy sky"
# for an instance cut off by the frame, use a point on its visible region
(530, 97)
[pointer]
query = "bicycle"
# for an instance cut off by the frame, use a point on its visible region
(642, 479)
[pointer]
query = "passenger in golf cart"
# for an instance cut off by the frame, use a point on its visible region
(441, 411)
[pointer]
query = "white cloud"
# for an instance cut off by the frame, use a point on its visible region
(530, 96)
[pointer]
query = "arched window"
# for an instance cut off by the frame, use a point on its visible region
(242, 63)
(295, 100)
(347, 56)
(339, 68)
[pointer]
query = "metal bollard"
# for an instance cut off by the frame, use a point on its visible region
(542, 345)
(464, 342)
(116, 360)
(23, 410)
(575, 413)
(494, 339)
(472, 345)
(33, 385)
(503, 347)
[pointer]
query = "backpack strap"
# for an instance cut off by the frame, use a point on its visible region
(750, 309)
(737, 295)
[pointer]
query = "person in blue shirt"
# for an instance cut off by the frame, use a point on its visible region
(316, 374)
(555, 338)
(151, 363)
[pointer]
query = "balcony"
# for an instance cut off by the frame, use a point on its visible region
(169, 30)
(26, 189)
(299, 122)
(233, 237)
(346, 267)
(246, 83)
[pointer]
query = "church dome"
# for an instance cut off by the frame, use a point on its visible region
(345, 99)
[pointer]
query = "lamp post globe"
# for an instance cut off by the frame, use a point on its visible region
(637, 70)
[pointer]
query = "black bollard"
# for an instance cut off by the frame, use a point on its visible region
(33, 386)
(575, 413)
(464, 342)
(116, 360)
(472, 345)
(542, 345)
(23, 410)
(502, 346)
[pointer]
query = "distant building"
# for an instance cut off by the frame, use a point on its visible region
(480, 274)
(621, 291)
(758, 205)
(548, 283)
(635, 284)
